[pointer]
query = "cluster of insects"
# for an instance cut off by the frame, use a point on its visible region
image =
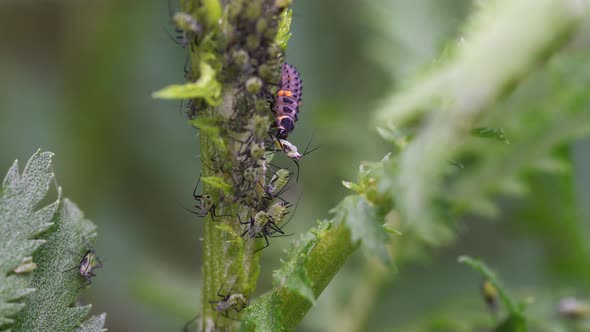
(265, 107)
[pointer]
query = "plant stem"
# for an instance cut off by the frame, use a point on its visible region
(325, 259)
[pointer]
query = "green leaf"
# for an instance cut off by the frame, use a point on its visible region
(209, 128)
(94, 324)
(49, 307)
(366, 225)
(265, 314)
(283, 33)
(206, 87)
(495, 133)
(20, 225)
(488, 274)
(293, 274)
(217, 182)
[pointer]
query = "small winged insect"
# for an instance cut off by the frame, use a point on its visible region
(230, 301)
(87, 265)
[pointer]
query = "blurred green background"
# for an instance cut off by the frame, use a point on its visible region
(76, 78)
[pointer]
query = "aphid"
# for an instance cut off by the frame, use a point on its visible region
(87, 265)
(291, 151)
(278, 182)
(186, 26)
(573, 308)
(205, 204)
(278, 211)
(288, 148)
(263, 225)
(230, 301)
(286, 105)
(490, 295)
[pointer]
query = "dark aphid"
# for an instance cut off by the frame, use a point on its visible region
(286, 105)
(229, 301)
(87, 265)
(490, 295)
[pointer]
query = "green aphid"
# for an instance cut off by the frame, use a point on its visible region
(265, 224)
(230, 301)
(278, 211)
(87, 265)
(278, 182)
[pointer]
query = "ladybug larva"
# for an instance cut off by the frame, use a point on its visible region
(287, 102)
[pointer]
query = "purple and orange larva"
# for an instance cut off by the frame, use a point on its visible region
(287, 101)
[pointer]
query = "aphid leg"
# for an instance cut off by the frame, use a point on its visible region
(75, 267)
(296, 164)
(263, 235)
(188, 324)
(195, 196)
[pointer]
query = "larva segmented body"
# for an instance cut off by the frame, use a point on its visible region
(287, 101)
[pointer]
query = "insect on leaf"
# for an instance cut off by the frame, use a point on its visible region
(509, 303)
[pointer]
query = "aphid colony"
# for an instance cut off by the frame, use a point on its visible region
(245, 185)
(253, 148)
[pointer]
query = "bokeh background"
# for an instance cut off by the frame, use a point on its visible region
(76, 78)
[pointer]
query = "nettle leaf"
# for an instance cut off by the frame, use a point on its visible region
(217, 182)
(20, 224)
(265, 314)
(206, 87)
(49, 307)
(94, 324)
(293, 274)
(366, 225)
(283, 33)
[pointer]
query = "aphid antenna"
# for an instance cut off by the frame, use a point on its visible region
(200, 214)
(293, 212)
